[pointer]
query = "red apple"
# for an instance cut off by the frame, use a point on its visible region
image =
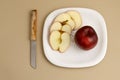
(86, 37)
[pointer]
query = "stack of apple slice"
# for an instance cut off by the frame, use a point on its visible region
(61, 29)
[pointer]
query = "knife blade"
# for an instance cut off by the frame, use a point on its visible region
(33, 54)
(33, 38)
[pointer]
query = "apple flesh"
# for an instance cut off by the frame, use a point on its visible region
(61, 29)
(86, 37)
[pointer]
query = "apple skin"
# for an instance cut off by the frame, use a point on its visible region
(86, 38)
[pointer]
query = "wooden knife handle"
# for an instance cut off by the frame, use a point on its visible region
(34, 25)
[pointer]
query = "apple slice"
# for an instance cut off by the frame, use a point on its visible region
(65, 42)
(64, 18)
(55, 40)
(71, 23)
(76, 18)
(66, 28)
(55, 26)
(59, 41)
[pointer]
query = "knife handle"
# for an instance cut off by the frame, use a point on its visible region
(34, 25)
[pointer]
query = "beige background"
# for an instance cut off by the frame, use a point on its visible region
(14, 41)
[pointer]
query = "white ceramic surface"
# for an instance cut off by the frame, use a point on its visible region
(75, 57)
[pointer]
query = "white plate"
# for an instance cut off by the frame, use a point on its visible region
(75, 57)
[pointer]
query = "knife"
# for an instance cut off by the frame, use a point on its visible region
(33, 38)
